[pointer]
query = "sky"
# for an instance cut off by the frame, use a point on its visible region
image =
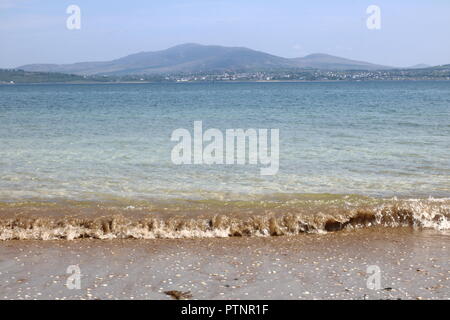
(412, 31)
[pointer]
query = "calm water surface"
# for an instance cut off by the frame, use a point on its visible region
(100, 142)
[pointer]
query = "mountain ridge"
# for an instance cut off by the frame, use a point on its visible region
(195, 58)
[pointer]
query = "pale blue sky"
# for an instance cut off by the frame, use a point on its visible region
(34, 31)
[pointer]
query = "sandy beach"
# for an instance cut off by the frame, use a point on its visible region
(414, 264)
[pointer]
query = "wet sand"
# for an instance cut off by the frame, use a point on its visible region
(414, 264)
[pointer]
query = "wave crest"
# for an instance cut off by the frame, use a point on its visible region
(410, 213)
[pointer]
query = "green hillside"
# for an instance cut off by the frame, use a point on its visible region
(21, 76)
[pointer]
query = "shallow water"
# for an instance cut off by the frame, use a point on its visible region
(112, 142)
(94, 161)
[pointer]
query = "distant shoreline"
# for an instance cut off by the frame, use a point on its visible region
(230, 81)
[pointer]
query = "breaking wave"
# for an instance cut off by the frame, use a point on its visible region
(432, 214)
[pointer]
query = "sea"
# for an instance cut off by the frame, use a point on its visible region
(96, 160)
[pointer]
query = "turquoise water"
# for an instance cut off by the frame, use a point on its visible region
(99, 142)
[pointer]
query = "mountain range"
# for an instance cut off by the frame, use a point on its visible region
(196, 58)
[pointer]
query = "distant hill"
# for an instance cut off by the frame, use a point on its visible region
(11, 76)
(328, 62)
(419, 66)
(441, 67)
(192, 58)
